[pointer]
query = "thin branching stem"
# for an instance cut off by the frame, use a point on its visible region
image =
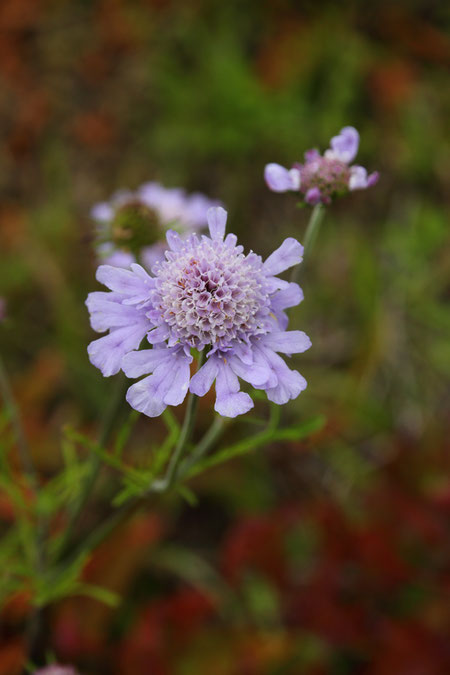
(152, 495)
(204, 445)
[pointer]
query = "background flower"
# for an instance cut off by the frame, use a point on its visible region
(322, 178)
(56, 669)
(131, 225)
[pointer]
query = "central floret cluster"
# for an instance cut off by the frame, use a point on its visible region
(206, 294)
(211, 294)
(324, 176)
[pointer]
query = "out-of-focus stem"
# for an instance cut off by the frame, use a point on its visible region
(35, 624)
(95, 464)
(104, 529)
(22, 444)
(312, 230)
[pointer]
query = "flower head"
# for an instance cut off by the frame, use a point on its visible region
(131, 225)
(56, 669)
(321, 178)
(208, 295)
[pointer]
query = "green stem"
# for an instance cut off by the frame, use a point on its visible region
(312, 230)
(209, 439)
(185, 435)
(241, 447)
(100, 533)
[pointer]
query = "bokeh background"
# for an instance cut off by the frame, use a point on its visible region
(330, 555)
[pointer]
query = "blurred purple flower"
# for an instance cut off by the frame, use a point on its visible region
(323, 177)
(206, 294)
(130, 227)
(56, 669)
(2, 309)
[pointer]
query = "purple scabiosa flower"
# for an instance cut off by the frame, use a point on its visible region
(208, 295)
(56, 669)
(321, 178)
(131, 225)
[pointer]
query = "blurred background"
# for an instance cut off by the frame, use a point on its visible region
(330, 555)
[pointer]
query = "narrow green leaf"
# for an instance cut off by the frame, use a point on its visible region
(104, 595)
(297, 432)
(69, 452)
(113, 461)
(188, 495)
(162, 454)
(301, 430)
(61, 582)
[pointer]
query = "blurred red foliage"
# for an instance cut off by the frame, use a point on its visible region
(392, 83)
(95, 129)
(162, 629)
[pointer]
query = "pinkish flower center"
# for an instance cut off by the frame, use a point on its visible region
(330, 176)
(211, 294)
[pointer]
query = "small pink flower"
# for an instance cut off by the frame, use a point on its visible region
(323, 177)
(56, 669)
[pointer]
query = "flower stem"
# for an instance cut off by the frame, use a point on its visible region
(312, 230)
(103, 530)
(209, 439)
(185, 435)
